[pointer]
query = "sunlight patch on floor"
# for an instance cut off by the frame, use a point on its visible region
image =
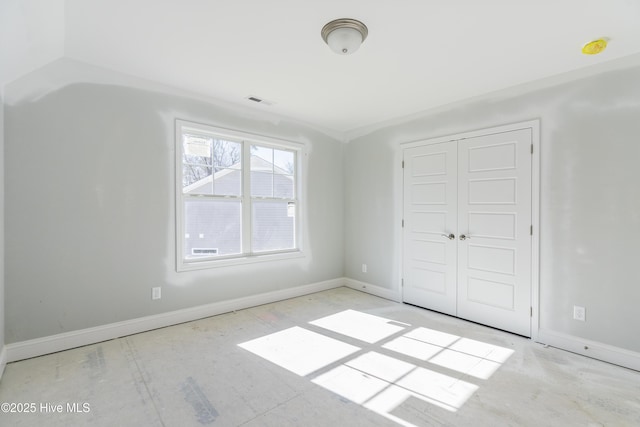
(299, 350)
(410, 347)
(464, 355)
(361, 326)
(380, 382)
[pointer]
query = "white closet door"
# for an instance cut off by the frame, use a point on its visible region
(494, 220)
(430, 214)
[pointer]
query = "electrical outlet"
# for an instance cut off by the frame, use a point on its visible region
(579, 313)
(364, 268)
(156, 293)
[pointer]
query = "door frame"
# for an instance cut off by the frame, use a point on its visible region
(534, 125)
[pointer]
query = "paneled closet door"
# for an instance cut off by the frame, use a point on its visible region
(466, 236)
(429, 233)
(494, 220)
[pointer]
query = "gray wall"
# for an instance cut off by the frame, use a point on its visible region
(590, 198)
(91, 202)
(2, 309)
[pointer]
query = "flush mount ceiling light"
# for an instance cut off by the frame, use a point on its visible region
(595, 47)
(344, 36)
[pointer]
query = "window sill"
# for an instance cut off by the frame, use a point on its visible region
(247, 259)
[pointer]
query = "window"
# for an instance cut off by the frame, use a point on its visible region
(237, 196)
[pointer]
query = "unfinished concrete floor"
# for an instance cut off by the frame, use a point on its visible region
(335, 358)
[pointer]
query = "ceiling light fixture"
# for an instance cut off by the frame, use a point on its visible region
(344, 36)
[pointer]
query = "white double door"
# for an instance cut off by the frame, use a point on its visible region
(467, 229)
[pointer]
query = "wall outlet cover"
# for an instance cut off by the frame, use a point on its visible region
(579, 313)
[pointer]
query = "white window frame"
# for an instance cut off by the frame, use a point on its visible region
(245, 139)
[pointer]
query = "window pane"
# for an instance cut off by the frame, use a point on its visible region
(283, 186)
(197, 165)
(228, 182)
(272, 172)
(261, 171)
(211, 166)
(226, 154)
(262, 184)
(212, 228)
(273, 225)
(196, 179)
(261, 158)
(283, 161)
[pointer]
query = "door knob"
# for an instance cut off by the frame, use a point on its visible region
(464, 237)
(449, 236)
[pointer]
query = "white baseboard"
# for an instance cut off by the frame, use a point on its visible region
(45, 345)
(378, 291)
(607, 353)
(3, 359)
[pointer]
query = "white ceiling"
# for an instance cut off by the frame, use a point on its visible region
(420, 54)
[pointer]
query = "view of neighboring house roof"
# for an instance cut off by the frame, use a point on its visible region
(258, 164)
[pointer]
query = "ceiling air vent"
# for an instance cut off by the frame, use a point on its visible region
(258, 100)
